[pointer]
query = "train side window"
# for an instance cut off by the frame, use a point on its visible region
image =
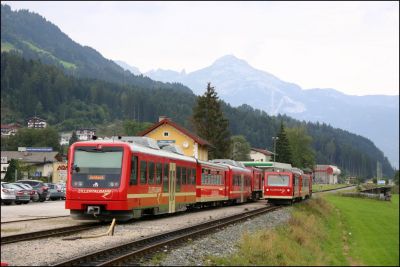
(151, 172)
(165, 177)
(193, 177)
(143, 172)
(184, 175)
(178, 178)
(134, 162)
(158, 172)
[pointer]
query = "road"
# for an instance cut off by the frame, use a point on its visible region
(33, 210)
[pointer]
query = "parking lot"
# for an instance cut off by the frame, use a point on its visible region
(33, 210)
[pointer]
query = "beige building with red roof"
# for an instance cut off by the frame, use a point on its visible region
(168, 132)
(258, 154)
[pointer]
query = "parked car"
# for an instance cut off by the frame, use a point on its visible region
(39, 186)
(22, 195)
(63, 188)
(32, 192)
(7, 193)
(55, 191)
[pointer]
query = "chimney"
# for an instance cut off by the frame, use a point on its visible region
(160, 118)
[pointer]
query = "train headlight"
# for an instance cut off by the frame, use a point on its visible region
(113, 184)
(288, 190)
(267, 189)
(78, 183)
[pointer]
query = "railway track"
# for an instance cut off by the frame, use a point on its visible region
(333, 189)
(129, 253)
(36, 219)
(48, 233)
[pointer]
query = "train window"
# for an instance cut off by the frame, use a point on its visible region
(184, 175)
(278, 180)
(151, 172)
(133, 179)
(158, 172)
(143, 172)
(165, 177)
(193, 176)
(178, 178)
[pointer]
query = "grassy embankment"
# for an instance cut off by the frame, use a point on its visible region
(328, 231)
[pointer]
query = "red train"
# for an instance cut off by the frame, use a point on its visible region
(287, 186)
(114, 179)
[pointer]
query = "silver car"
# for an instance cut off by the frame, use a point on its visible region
(22, 195)
(7, 193)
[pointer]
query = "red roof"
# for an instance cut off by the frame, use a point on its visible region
(263, 151)
(178, 127)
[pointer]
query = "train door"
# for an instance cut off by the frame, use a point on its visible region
(172, 187)
(241, 187)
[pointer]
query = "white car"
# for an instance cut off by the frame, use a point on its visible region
(8, 195)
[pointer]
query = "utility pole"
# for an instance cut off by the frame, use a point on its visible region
(274, 138)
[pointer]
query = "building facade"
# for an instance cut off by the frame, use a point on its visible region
(168, 132)
(85, 134)
(326, 174)
(257, 154)
(36, 123)
(40, 163)
(9, 129)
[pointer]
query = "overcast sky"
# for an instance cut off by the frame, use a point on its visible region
(352, 47)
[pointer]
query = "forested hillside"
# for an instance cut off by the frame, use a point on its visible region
(30, 87)
(34, 37)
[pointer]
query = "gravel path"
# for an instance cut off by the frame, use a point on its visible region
(49, 251)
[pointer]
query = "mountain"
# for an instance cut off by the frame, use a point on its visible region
(28, 86)
(36, 79)
(126, 66)
(32, 36)
(375, 117)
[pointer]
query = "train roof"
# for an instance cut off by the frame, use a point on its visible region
(213, 164)
(140, 147)
(231, 164)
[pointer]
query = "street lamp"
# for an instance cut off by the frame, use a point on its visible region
(274, 138)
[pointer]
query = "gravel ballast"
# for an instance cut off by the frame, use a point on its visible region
(48, 251)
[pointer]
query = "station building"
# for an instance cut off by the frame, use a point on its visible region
(167, 132)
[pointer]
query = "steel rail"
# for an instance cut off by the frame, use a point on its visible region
(47, 233)
(132, 250)
(36, 219)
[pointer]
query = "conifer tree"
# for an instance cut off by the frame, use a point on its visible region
(283, 151)
(210, 123)
(74, 138)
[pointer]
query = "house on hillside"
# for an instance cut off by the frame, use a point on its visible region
(9, 129)
(85, 134)
(36, 123)
(258, 154)
(168, 132)
(64, 138)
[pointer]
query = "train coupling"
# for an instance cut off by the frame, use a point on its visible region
(95, 210)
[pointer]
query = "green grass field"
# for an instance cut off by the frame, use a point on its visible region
(372, 227)
(328, 231)
(66, 64)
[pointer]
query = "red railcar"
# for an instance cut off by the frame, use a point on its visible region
(287, 186)
(257, 183)
(112, 179)
(211, 184)
(239, 180)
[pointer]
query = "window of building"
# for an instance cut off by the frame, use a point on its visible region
(166, 134)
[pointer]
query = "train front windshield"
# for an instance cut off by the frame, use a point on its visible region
(94, 167)
(278, 180)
